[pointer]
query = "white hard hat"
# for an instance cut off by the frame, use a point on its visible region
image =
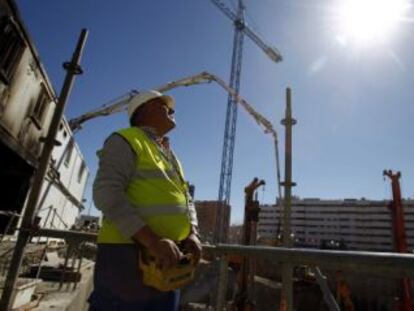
(144, 97)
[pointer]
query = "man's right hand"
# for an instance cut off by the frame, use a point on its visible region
(165, 251)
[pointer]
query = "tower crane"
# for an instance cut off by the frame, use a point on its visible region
(240, 29)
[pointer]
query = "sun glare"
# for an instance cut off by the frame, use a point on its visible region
(370, 21)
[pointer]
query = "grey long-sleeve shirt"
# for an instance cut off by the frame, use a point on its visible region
(116, 169)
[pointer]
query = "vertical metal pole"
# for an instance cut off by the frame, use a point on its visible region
(279, 188)
(52, 222)
(44, 225)
(80, 255)
(72, 266)
(69, 251)
(9, 224)
(23, 237)
(287, 273)
(39, 268)
(326, 292)
(47, 216)
(278, 203)
(222, 283)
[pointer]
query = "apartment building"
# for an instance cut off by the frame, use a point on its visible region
(357, 224)
(206, 213)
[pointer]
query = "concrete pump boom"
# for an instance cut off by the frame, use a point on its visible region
(121, 103)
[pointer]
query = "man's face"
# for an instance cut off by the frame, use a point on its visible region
(160, 116)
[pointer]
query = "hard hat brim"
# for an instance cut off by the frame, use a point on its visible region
(169, 101)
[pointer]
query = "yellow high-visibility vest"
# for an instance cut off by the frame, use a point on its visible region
(158, 192)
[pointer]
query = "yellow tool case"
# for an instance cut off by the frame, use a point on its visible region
(166, 279)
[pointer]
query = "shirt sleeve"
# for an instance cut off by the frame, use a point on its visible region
(116, 169)
(193, 219)
(193, 214)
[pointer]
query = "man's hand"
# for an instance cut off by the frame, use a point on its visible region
(193, 245)
(165, 251)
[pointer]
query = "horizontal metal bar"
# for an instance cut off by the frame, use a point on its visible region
(75, 236)
(380, 264)
(374, 263)
(65, 191)
(9, 213)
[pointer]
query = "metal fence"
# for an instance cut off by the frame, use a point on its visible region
(386, 265)
(389, 265)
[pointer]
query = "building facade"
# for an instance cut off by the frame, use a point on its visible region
(235, 234)
(356, 224)
(62, 193)
(27, 102)
(206, 214)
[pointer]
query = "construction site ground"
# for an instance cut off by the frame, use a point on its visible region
(50, 297)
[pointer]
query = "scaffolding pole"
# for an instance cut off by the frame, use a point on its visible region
(73, 68)
(287, 269)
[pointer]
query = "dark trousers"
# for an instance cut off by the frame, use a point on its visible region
(118, 283)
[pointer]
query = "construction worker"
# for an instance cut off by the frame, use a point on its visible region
(144, 198)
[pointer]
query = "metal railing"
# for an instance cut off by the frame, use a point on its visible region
(389, 265)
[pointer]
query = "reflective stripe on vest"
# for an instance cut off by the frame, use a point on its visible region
(153, 174)
(157, 191)
(166, 209)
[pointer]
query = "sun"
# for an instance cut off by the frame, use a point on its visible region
(369, 21)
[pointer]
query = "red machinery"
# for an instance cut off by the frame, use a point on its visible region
(400, 238)
(242, 301)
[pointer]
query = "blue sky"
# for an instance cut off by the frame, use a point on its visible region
(354, 104)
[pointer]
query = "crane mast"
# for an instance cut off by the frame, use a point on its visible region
(226, 172)
(230, 126)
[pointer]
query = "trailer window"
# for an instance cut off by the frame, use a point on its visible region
(42, 103)
(69, 151)
(81, 171)
(11, 48)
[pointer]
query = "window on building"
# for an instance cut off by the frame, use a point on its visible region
(40, 108)
(81, 171)
(11, 48)
(69, 151)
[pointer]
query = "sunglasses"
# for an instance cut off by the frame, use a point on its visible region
(170, 111)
